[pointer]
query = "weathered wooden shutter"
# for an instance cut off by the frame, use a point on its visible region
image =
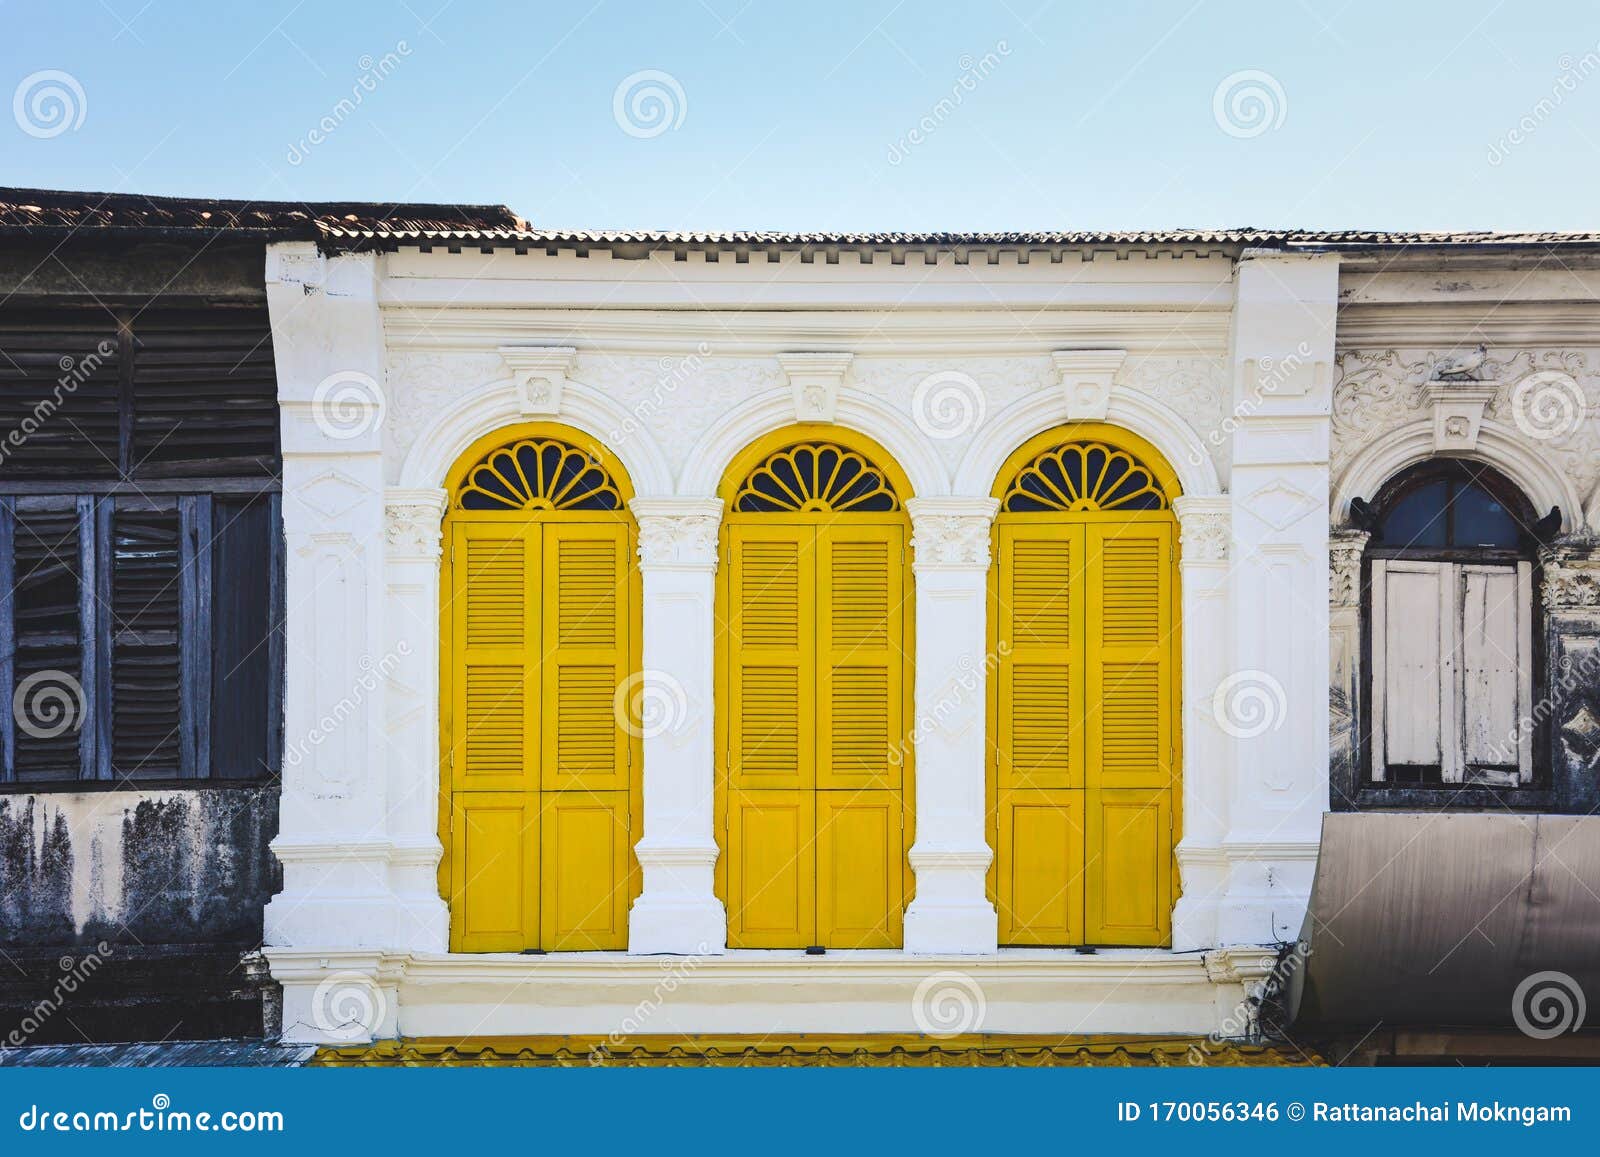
(1039, 799)
(1496, 671)
(860, 717)
(148, 692)
(494, 732)
(584, 762)
(771, 723)
(1413, 664)
(58, 387)
(1130, 731)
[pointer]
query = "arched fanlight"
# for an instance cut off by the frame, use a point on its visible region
(1084, 476)
(539, 474)
(816, 477)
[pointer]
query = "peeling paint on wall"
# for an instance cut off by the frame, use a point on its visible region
(159, 867)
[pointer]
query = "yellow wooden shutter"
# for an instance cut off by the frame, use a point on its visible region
(771, 725)
(1039, 798)
(860, 723)
(1130, 731)
(585, 767)
(494, 736)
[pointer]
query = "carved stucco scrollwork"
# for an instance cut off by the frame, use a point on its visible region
(951, 540)
(413, 529)
(1378, 391)
(1344, 568)
(1571, 579)
(1203, 536)
(666, 540)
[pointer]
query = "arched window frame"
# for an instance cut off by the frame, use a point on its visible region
(1452, 565)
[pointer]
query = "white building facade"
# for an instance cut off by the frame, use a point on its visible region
(1276, 385)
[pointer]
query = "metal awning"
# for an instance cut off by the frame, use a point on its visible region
(1436, 919)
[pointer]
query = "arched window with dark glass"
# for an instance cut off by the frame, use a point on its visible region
(1450, 628)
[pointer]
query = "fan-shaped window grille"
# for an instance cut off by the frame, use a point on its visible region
(816, 477)
(539, 474)
(1084, 476)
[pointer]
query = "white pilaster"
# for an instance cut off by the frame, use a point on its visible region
(1207, 751)
(1274, 702)
(410, 666)
(678, 910)
(951, 912)
(332, 839)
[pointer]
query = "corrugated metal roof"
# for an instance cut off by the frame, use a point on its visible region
(172, 1054)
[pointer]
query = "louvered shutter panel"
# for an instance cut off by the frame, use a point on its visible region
(584, 814)
(147, 672)
(1130, 731)
(771, 723)
(1039, 743)
(860, 718)
(494, 754)
(205, 397)
(58, 389)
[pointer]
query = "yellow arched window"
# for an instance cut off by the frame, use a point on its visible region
(540, 783)
(813, 696)
(1083, 713)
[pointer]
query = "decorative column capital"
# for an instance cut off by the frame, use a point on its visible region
(951, 533)
(1345, 548)
(677, 533)
(1204, 527)
(412, 524)
(1571, 577)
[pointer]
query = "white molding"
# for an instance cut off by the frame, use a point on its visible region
(499, 404)
(1137, 412)
(759, 992)
(774, 410)
(1382, 458)
(815, 379)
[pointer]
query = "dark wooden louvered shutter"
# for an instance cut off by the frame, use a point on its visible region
(247, 639)
(58, 394)
(205, 395)
(147, 557)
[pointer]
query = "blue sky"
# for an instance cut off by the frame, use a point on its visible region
(864, 114)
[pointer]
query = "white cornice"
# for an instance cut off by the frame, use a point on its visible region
(767, 332)
(1453, 325)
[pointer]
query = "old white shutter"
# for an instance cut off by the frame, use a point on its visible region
(1496, 671)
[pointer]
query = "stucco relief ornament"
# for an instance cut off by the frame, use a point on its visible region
(1566, 587)
(413, 529)
(1344, 568)
(667, 539)
(1203, 537)
(951, 540)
